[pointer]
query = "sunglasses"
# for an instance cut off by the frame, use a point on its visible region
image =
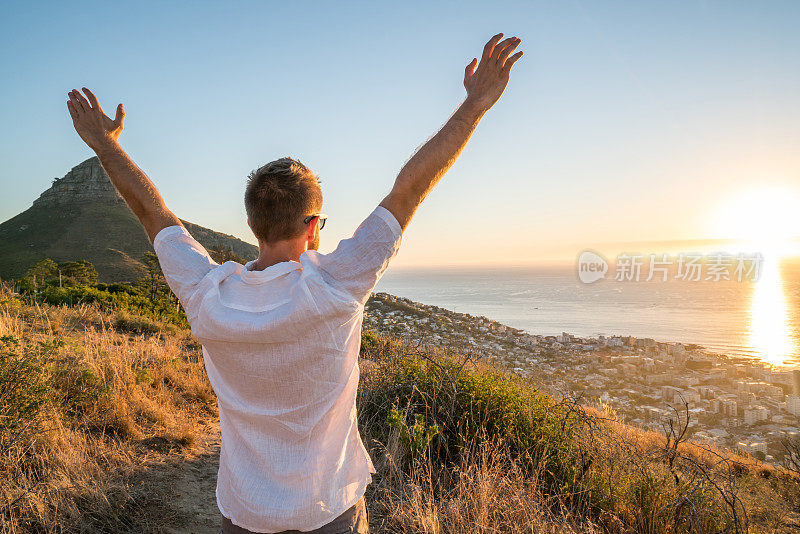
(322, 219)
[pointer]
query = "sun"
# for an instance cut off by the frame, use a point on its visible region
(764, 218)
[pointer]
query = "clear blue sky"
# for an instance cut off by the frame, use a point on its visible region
(624, 121)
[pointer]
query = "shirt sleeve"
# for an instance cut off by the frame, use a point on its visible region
(359, 261)
(183, 260)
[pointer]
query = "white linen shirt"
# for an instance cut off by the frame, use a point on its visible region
(281, 351)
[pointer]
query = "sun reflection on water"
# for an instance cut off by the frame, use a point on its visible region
(769, 330)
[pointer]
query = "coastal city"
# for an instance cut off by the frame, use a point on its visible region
(733, 402)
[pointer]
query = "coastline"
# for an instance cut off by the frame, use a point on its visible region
(547, 300)
(734, 401)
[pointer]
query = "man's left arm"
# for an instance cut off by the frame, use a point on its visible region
(101, 133)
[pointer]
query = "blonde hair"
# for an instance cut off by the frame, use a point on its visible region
(279, 195)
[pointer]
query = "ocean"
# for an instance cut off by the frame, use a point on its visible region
(759, 319)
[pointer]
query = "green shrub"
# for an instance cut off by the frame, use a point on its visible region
(35, 376)
(465, 405)
(369, 342)
(24, 387)
(77, 389)
(163, 307)
(135, 324)
(416, 438)
(143, 376)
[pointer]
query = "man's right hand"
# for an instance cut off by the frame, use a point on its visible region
(487, 82)
(95, 127)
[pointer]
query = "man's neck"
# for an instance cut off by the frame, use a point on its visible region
(269, 255)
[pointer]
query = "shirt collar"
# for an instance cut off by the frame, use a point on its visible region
(271, 272)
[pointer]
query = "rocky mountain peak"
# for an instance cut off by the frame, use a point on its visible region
(86, 182)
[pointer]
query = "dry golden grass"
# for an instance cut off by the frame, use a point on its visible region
(489, 493)
(71, 469)
(132, 399)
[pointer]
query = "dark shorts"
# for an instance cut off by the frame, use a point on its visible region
(352, 520)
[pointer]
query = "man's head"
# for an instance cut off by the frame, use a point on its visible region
(279, 196)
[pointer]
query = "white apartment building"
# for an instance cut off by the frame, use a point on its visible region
(793, 405)
(752, 446)
(755, 414)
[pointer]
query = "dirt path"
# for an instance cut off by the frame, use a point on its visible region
(191, 484)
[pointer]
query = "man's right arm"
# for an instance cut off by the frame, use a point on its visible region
(484, 84)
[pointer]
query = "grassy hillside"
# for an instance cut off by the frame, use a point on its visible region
(96, 398)
(109, 236)
(103, 231)
(72, 233)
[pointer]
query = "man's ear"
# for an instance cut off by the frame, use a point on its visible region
(311, 231)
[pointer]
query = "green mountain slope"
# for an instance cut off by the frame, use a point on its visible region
(83, 217)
